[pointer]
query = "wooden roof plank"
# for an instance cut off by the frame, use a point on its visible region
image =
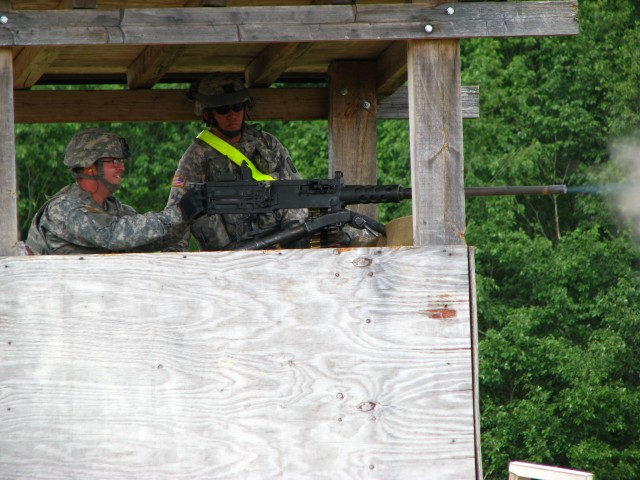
(287, 24)
(266, 67)
(30, 64)
(392, 68)
(152, 64)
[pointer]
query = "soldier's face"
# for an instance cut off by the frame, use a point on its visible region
(230, 121)
(113, 170)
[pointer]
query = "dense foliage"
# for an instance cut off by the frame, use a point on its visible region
(558, 296)
(558, 291)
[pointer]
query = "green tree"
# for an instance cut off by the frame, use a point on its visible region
(557, 277)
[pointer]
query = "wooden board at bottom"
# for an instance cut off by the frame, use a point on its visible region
(340, 364)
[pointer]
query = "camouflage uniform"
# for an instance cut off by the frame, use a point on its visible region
(71, 222)
(202, 163)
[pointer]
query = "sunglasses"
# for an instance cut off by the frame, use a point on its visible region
(116, 162)
(236, 107)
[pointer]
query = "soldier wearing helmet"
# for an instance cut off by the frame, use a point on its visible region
(218, 153)
(84, 217)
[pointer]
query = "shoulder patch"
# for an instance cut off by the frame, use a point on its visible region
(179, 181)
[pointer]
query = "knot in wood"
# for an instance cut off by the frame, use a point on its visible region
(366, 406)
(362, 262)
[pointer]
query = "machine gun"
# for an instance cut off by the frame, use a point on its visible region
(327, 198)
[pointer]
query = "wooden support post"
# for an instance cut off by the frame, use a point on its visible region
(352, 124)
(8, 181)
(435, 124)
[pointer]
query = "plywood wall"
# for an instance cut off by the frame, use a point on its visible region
(340, 364)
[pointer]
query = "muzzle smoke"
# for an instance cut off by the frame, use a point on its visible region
(623, 196)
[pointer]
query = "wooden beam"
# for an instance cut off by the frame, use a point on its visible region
(158, 105)
(71, 4)
(437, 166)
(396, 106)
(9, 233)
(205, 3)
(155, 60)
(152, 64)
(30, 64)
(172, 106)
(166, 26)
(352, 125)
(392, 68)
(266, 67)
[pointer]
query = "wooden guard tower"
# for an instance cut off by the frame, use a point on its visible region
(340, 364)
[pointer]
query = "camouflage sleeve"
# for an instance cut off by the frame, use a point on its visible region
(191, 169)
(286, 170)
(91, 227)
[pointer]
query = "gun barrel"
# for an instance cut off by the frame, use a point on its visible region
(361, 194)
(527, 190)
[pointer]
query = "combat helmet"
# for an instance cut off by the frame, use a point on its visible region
(218, 91)
(92, 144)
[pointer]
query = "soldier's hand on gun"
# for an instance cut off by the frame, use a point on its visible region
(192, 204)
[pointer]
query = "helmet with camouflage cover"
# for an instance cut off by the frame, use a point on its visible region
(92, 144)
(218, 91)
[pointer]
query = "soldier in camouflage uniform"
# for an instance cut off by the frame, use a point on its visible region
(222, 103)
(85, 218)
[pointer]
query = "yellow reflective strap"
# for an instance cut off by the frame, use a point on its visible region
(233, 154)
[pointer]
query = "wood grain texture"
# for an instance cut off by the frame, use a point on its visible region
(165, 26)
(340, 364)
(267, 67)
(8, 178)
(352, 125)
(30, 64)
(152, 64)
(435, 125)
(172, 105)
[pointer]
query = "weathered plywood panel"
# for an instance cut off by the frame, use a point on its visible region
(338, 364)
